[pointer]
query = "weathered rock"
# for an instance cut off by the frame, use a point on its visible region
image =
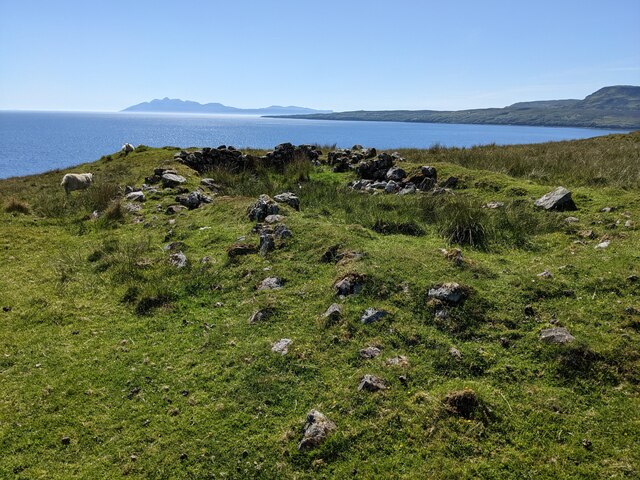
(392, 187)
(261, 315)
(371, 383)
(211, 184)
(396, 174)
(602, 245)
(559, 199)
(281, 346)
(263, 207)
(371, 315)
(493, 205)
(289, 198)
(282, 232)
(208, 159)
(267, 243)
(409, 189)
(429, 172)
(333, 313)
(193, 200)
(349, 285)
(399, 361)
(273, 218)
(426, 184)
(452, 293)
(178, 260)
(316, 430)
(545, 274)
(286, 153)
(270, 283)
(375, 169)
(370, 352)
(238, 249)
(170, 180)
(571, 220)
(556, 335)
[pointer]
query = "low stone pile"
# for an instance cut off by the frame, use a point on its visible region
(344, 159)
(286, 153)
(206, 159)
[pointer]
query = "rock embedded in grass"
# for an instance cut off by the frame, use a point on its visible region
(371, 315)
(281, 346)
(602, 245)
(135, 196)
(371, 383)
(399, 361)
(261, 315)
(556, 335)
(558, 199)
(316, 430)
(193, 200)
(451, 293)
(170, 180)
(370, 352)
(273, 218)
(333, 313)
(238, 249)
(288, 198)
(349, 285)
(270, 283)
(262, 208)
(178, 260)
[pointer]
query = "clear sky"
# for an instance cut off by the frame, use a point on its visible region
(105, 55)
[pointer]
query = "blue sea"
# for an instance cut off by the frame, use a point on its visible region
(34, 142)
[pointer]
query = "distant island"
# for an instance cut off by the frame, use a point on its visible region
(175, 105)
(610, 107)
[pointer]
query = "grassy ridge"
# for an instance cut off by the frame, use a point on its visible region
(155, 372)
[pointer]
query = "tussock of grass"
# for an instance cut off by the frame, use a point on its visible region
(14, 205)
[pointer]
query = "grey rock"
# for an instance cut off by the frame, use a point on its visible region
(371, 383)
(170, 180)
(282, 232)
(426, 184)
(409, 189)
(559, 199)
(399, 361)
(262, 208)
(211, 184)
(370, 352)
(333, 313)
(452, 293)
(316, 429)
(289, 198)
(239, 249)
(429, 172)
(281, 346)
(602, 245)
(349, 285)
(380, 185)
(261, 315)
(267, 243)
(571, 220)
(493, 205)
(178, 260)
(270, 283)
(392, 187)
(545, 274)
(556, 335)
(193, 200)
(396, 174)
(136, 196)
(273, 218)
(371, 315)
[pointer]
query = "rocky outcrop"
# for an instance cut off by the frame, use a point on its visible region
(316, 429)
(263, 207)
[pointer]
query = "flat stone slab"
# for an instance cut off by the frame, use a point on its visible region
(556, 335)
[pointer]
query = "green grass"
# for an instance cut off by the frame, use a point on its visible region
(150, 377)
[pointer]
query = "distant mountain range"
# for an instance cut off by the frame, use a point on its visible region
(610, 107)
(175, 105)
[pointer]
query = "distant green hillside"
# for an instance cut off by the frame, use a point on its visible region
(609, 107)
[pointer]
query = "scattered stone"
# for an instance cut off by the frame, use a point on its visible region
(607, 209)
(238, 249)
(463, 402)
(289, 198)
(545, 274)
(629, 224)
(399, 361)
(316, 430)
(263, 207)
(286, 153)
(559, 199)
(556, 335)
(455, 353)
(602, 245)
(452, 293)
(410, 189)
(370, 352)
(129, 207)
(391, 187)
(261, 315)
(270, 283)
(349, 284)
(571, 220)
(173, 209)
(267, 243)
(454, 256)
(375, 169)
(281, 346)
(371, 315)
(193, 200)
(178, 260)
(333, 313)
(371, 383)
(282, 232)
(493, 205)
(396, 174)
(273, 218)
(170, 180)
(136, 196)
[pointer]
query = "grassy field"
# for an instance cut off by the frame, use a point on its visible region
(115, 363)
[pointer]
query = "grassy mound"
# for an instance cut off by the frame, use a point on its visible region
(115, 360)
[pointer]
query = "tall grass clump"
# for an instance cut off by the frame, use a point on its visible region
(14, 205)
(461, 220)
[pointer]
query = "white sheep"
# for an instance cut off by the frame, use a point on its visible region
(76, 181)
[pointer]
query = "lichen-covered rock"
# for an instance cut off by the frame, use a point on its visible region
(270, 283)
(556, 335)
(135, 196)
(371, 315)
(281, 346)
(262, 208)
(170, 180)
(193, 200)
(261, 315)
(370, 352)
(349, 285)
(452, 293)
(289, 198)
(316, 430)
(371, 383)
(333, 313)
(178, 260)
(559, 199)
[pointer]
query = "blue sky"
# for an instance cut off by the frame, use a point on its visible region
(343, 55)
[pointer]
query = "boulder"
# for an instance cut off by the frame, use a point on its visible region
(371, 383)
(270, 283)
(396, 174)
(135, 196)
(289, 198)
(559, 199)
(316, 429)
(370, 352)
(451, 293)
(281, 346)
(262, 208)
(371, 315)
(178, 260)
(267, 243)
(171, 180)
(282, 232)
(375, 169)
(409, 189)
(193, 200)
(556, 335)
